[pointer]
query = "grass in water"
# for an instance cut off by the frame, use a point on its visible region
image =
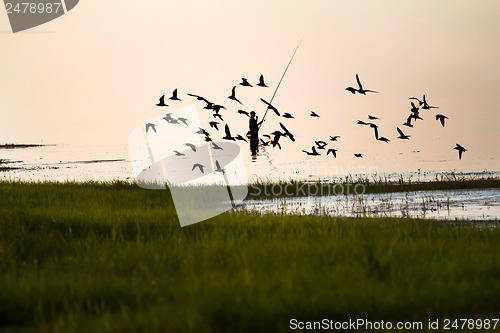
(112, 258)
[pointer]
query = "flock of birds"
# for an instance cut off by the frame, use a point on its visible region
(273, 138)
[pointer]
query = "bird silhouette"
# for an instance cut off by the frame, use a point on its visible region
(270, 106)
(314, 114)
(244, 82)
(415, 113)
(420, 103)
(244, 112)
(320, 144)
(233, 95)
(264, 143)
(200, 98)
(383, 139)
(358, 155)
(414, 108)
(184, 120)
(239, 137)
(208, 139)
(198, 165)
(228, 135)
(372, 117)
(261, 81)
(287, 132)
(150, 125)
(276, 138)
(213, 124)
(441, 118)
(168, 118)
(333, 151)
(217, 107)
(190, 145)
(218, 115)
(360, 89)
(426, 106)
(178, 153)
(313, 152)
(174, 96)
(375, 130)
(216, 146)
(218, 168)
(202, 131)
(402, 136)
(162, 101)
(360, 122)
(461, 150)
(408, 121)
(287, 115)
(334, 138)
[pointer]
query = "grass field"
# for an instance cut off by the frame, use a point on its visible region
(112, 257)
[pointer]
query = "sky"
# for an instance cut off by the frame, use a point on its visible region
(96, 73)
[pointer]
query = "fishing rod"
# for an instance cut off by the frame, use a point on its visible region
(279, 83)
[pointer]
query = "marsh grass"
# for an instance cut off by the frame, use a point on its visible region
(112, 257)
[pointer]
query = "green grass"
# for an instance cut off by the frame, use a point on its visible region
(263, 189)
(112, 257)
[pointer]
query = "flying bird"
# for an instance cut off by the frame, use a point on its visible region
(208, 139)
(244, 112)
(270, 106)
(198, 165)
(162, 101)
(275, 140)
(168, 118)
(217, 107)
(402, 136)
(360, 89)
(408, 121)
(441, 118)
(233, 95)
(333, 151)
(314, 114)
(334, 138)
(313, 152)
(150, 125)
(287, 132)
(320, 144)
(261, 82)
(202, 131)
(358, 155)
(375, 129)
(461, 150)
(426, 106)
(360, 122)
(239, 137)
(213, 124)
(384, 139)
(178, 153)
(218, 168)
(228, 134)
(174, 96)
(184, 120)
(190, 145)
(200, 98)
(217, 115)
(244, 82)
(372, 117)
(215, 146)
(287, 115)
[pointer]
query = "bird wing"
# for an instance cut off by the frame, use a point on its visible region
(217, 165)
(162, 99)
(174, 93)
(400, 132)
(359, 82)
(268, 104)
(228, 132)
(233, 91)
(376, 132)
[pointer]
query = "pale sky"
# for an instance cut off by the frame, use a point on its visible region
(94, 74)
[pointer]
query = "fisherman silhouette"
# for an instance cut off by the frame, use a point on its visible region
(253, 133)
